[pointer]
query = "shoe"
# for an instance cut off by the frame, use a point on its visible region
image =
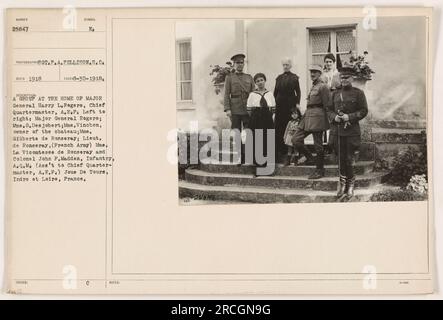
(242, 161)
(342, 198)
(317, 174)
(294, 159)
(301, 161)
(341, 187)
(310, 161)
(287, 160)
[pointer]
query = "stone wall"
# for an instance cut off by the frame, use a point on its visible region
(391, 137)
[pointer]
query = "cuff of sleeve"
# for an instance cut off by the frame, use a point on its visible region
(352, 117)
(332, 118)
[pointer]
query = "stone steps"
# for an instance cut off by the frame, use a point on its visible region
(330, 158)
(367, 153)
(361, 167)
(252, 194)
(277, 182)
(221, 180)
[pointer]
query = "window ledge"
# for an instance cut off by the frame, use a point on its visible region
(186, 105)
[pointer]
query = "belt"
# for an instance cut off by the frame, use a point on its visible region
(236, 95)
(317, 105)
(272, 109)
(259, 108)
(287, 95)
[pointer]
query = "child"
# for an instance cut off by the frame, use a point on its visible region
(287, 137)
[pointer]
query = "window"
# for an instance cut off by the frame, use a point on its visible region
(184, 70)
(338, 41)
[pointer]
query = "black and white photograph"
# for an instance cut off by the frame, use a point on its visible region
(255, 151)
(302, 110)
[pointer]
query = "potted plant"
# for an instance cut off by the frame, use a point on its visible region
(363, 72)
(219, 74)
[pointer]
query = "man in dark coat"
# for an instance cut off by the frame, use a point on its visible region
(314, 122)
(348, 107)
(287, 97)
(238, 85)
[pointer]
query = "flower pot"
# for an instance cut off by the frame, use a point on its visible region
(360, 83)
(219, 87)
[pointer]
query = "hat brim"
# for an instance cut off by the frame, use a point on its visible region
(238, 57)
(347, 71)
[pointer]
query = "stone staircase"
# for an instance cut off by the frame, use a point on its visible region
(225, 181)
(221, 182)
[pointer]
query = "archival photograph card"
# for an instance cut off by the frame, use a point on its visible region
(219, 151)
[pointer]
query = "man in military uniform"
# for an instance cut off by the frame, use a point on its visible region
(314, 122)
(348, 107)
(238, 85)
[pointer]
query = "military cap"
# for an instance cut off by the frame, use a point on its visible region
(316, 67)
(238, 56)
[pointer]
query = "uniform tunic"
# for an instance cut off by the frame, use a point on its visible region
(315, 119)
(346, 141)
(237, 88)
(351, 101)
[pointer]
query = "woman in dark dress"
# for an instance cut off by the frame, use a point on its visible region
(260, 106)
(287, 97)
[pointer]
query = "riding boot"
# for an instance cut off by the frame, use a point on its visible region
(350, 188)
(342, 187)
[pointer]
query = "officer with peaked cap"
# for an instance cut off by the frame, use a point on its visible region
(238, 85)
(348, 107)
(314, 122)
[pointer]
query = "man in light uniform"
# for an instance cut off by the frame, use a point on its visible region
(314, 122)
(238, 85)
